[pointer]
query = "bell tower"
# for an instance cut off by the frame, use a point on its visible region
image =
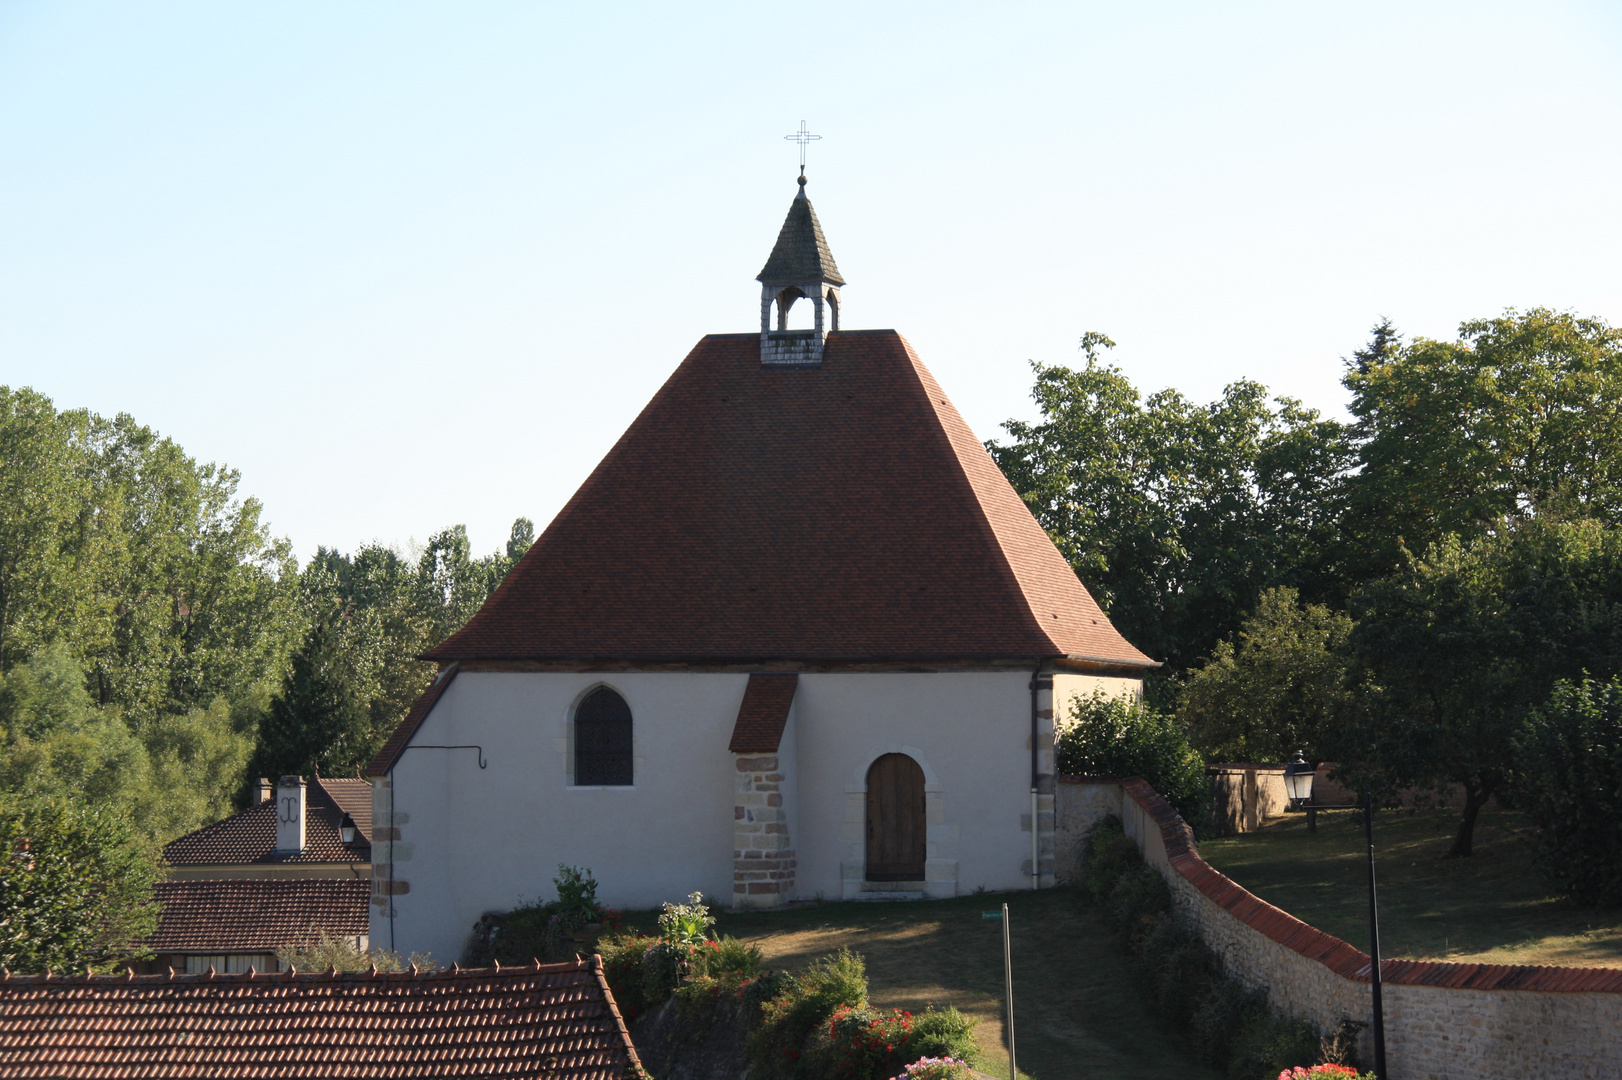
(800, 267)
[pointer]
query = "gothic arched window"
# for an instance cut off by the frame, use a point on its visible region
(602, 740)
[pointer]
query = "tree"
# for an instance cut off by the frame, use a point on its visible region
(370, 617)
(1521, 416)
(1451, 653)
(1175, 515)
(1276, 689)
(76, 885)
(1570, 764)
(1105, 736)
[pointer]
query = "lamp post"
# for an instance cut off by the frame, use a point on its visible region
(1298, 777)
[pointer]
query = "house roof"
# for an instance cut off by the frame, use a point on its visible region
(556, 1020)
(257, 914)
(763, 713)
(842, 512)
(801, 253)
(250, 836)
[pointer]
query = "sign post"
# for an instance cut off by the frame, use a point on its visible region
(1008, 983)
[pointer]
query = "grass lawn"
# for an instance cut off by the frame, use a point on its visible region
(1490, 908)
(1076, 1015)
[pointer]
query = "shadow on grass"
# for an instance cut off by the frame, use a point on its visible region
(1076, 1012)
(1490, 908)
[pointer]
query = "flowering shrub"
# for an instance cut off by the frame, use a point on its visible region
(861, 1043)
(937, 1068)
(1325, 1071)
(686, 924)
(622, 966)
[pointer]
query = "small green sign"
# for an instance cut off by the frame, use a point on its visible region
(991, 914)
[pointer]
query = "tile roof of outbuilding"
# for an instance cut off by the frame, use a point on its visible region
(250, 836)
(801, 253)
(222, 915)
(557, 1020)
(843, 512)
(763, 714)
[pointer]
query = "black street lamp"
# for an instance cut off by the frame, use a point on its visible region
(1298, 777)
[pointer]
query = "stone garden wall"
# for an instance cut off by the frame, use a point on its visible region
(1443, 1021)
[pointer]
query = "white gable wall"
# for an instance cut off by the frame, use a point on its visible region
(473, 840)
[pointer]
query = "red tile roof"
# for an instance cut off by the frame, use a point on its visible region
(557, 1020)
(763, 714)
(1333, 953)
(843, 512)
(250, 836)
(354, 797)
(227, 915)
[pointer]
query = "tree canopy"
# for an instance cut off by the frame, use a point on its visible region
(1176, 515)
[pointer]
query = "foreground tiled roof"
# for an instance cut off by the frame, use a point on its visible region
(250, 836)
(801, 253)
(764, 713)
(257, 914)
(843, 512)
(557, 1020)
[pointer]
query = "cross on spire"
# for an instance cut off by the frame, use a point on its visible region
(802, 137)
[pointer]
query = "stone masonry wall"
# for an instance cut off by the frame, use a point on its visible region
(762, 849)
(1443, 1021)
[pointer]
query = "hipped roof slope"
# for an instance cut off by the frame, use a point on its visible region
(841, 512)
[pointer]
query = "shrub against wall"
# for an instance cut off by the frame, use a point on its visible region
(1105, 736)
(1571, 786)
(1227, 1024)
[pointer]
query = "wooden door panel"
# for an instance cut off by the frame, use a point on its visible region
(897, 833)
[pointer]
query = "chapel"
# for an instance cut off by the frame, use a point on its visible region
(795, 637)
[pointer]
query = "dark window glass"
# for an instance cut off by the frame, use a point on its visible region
(602, 740)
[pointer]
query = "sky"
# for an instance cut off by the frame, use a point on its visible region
(412, 265)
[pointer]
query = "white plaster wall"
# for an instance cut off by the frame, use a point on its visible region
(473, 841)
(476, 840)
(1070, 685)
(970, 731)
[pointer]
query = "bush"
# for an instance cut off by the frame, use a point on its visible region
(622, 966)
(1570, 754)
(1107, 736)
(1109, 854)
(76, 884)
(937, 1068)
(327, 953)
(803, 1003)
(944, 1033)
(536, 930)
(577, 897)
(686, 924)
(1227, 1024)
(863, 1043)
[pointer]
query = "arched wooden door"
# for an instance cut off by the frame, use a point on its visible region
(896, 830)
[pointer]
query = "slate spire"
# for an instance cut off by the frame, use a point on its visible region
(800, 265)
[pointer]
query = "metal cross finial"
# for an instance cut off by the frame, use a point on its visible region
(802, 137)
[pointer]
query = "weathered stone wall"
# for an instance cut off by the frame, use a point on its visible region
(763, 848)
(1442, 1021)
(1079, 804)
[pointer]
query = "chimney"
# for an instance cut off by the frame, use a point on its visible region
(290, 815)
(264, 791)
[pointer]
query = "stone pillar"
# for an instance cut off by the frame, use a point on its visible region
(1047, 852)
(762, 849)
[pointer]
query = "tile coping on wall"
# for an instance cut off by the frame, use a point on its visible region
(1333, 953)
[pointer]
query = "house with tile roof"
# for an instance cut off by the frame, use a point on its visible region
(552, 1020)
(294, 866)
(795, 636)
